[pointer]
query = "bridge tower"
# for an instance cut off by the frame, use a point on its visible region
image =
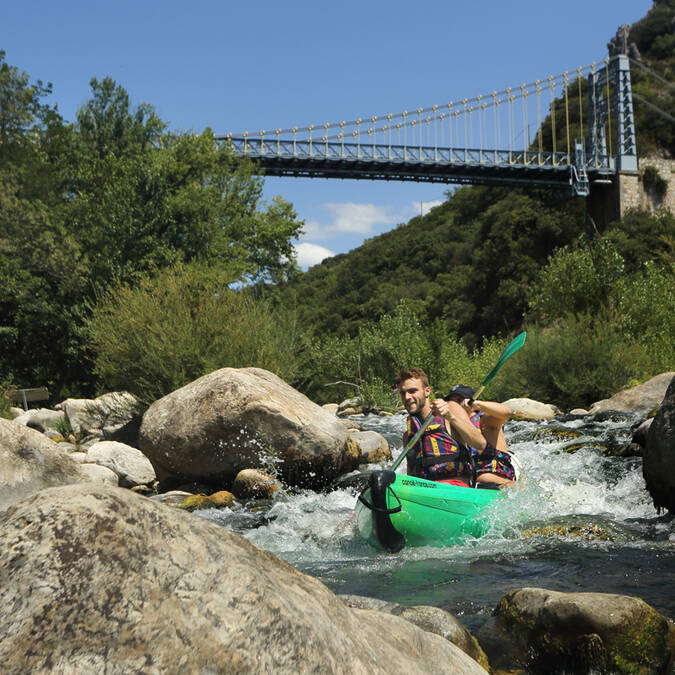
(605, 202)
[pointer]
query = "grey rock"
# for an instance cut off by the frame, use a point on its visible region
(640, 434)
(373, 447)
(529, 409)
(546, 631)
(131, 465)
(40, 418)
(90, 416)
(645, 397)
(234, 419)
(658, 457)
(100, 579)
(432, 619)
(95, 473)
(30, 462)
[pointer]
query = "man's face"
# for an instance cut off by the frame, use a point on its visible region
(414, 395)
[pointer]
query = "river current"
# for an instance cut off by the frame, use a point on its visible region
(579, 522)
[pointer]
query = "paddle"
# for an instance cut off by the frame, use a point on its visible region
(510, 350)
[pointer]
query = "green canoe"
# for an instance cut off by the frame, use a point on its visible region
(396, 510)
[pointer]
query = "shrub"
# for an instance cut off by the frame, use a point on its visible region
(5, 399)
(655, 184)
(578, 360)
(181, 324)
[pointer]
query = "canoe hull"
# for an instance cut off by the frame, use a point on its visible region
(394, 511)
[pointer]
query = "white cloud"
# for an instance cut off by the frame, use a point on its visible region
(358, 218)
(311, 254)
(349, 218)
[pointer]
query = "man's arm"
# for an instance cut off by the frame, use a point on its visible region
(458, 423)
(494, 415)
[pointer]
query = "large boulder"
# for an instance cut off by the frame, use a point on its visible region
(102, 580)
(643, 398)
(529, 409)
(658, 456)
(30, 462)
(234, 419)
(111, 416)
(550, 632)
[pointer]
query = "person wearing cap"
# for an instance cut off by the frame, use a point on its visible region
(493, 460)
(439, 454)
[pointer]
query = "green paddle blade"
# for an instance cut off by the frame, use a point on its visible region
(511, 349)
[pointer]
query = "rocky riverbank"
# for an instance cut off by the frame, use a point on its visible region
(65, 543)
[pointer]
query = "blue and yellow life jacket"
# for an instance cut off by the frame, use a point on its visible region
(437, 456)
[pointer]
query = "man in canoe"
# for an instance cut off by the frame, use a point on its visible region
(439, 454)
(493, 460)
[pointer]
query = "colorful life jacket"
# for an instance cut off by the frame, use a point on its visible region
(437, 455)
(475, 419)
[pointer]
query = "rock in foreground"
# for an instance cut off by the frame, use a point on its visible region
(549, 632)
(234, 419)
(96, 579)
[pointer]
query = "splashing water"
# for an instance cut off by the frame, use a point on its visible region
(579, 521)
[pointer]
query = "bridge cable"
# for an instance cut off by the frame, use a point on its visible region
(652, 73)
(663, 113)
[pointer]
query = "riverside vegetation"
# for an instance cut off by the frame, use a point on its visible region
(138, 258)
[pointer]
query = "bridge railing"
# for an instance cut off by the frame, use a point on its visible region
(257, 148)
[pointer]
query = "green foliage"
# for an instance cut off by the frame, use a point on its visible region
(64, 427)
(469, 263)
(578, 360)
(366, 365)
(154, 337)
(6, 402)
(109, 199)
(645, 306)
(576, 279)
(654, 183)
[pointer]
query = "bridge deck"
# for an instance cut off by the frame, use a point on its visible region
(319, 159)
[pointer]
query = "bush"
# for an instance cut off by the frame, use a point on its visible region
(181, 324)
(5, 399)
(578, 360)
(576, 279)
(645, 306)
(366, 365)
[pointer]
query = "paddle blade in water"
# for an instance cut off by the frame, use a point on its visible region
(511, 349)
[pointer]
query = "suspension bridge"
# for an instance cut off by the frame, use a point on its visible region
(561, 132)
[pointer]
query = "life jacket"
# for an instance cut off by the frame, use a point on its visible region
(437, 455)
(491, 460)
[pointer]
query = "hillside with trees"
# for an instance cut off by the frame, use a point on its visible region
(135, 257)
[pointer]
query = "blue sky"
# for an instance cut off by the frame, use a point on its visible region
(247, 66)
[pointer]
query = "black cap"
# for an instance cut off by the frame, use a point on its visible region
(462, 390)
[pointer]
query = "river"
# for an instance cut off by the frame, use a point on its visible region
(579, 522)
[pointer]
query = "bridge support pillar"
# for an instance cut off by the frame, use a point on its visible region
(609, 200)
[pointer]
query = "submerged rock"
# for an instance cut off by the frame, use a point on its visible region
(98, 579)
(254, 484)
(548, 632)
(658, 457)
